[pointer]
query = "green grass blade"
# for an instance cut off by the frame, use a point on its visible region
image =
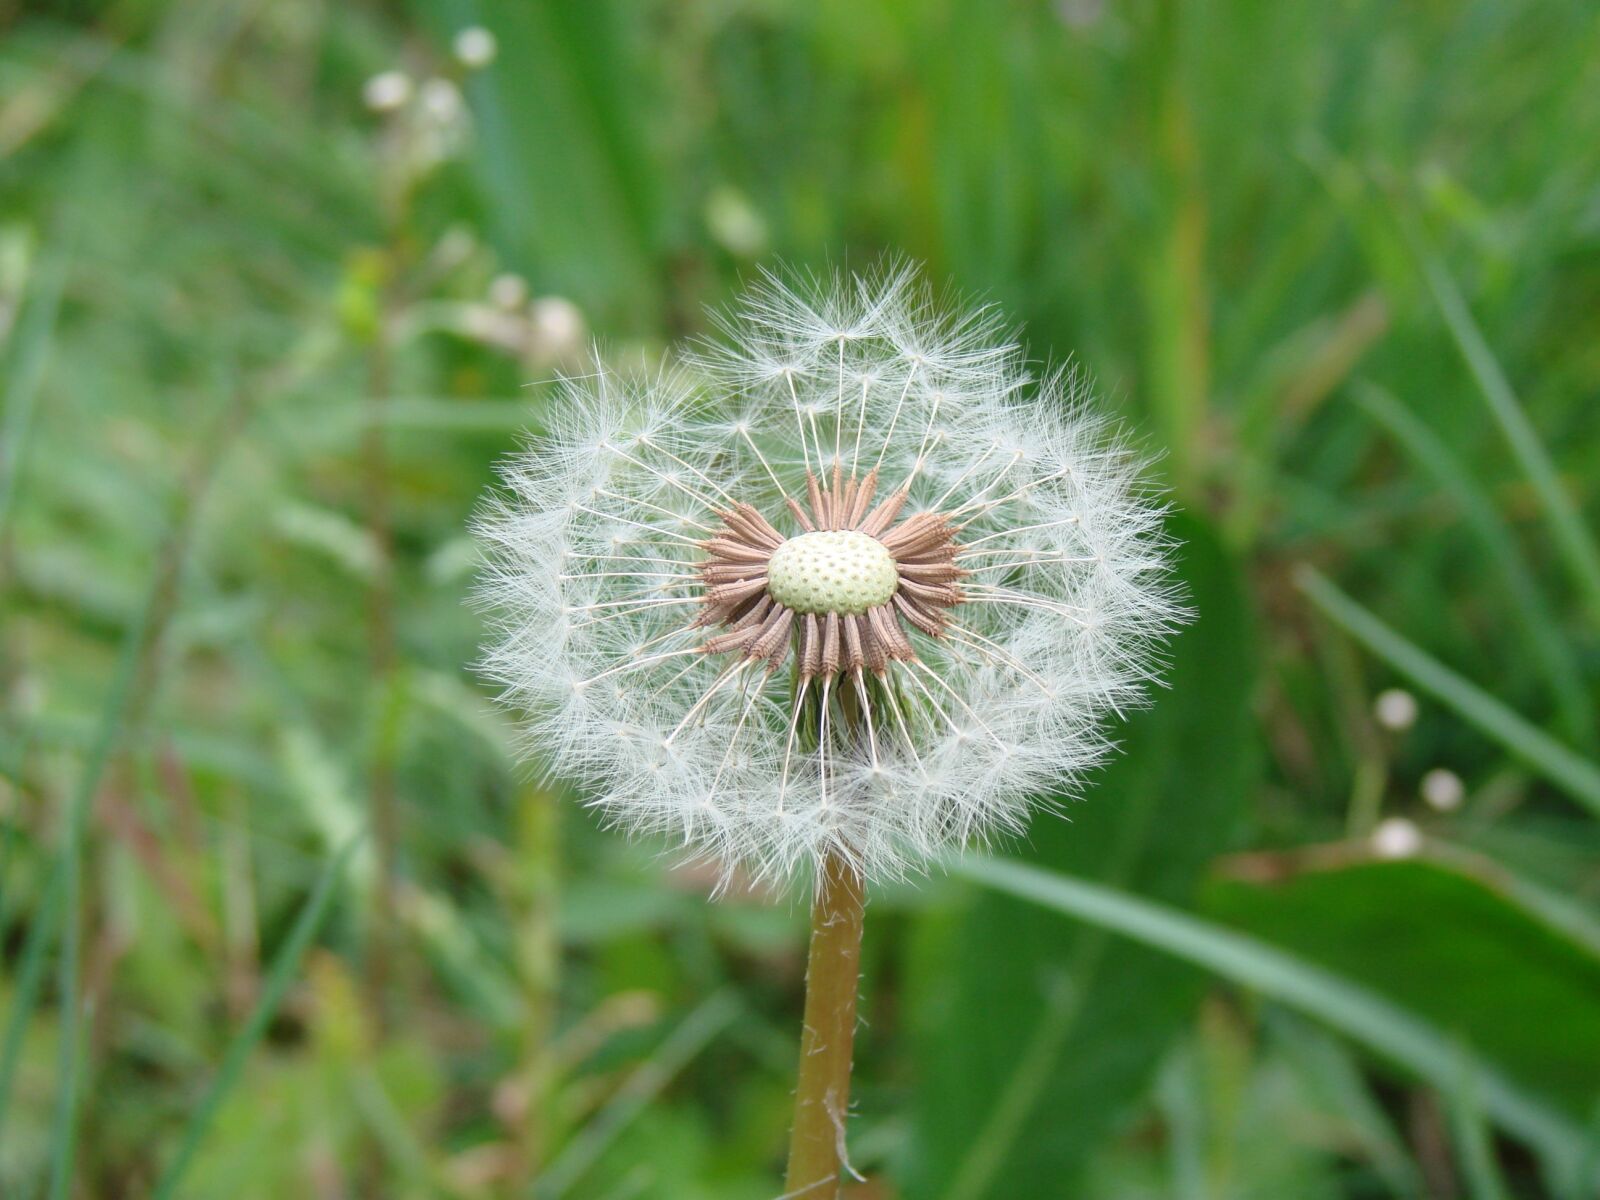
(1474, 1143)
(61, 909)
(1577, 776)
(1352, 1010)
(25, 371)
(1539, 626)
(30, 976)
(64, 1128)
(1572, 537)
(680, 1046)
(282, 973)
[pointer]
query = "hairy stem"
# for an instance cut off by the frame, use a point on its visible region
(822, 1094)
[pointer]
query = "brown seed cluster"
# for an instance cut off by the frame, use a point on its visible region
(756, 626)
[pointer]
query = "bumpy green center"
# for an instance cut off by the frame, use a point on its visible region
(832, 572)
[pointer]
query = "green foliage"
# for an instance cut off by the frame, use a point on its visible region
(259, 354)
(1033, 1045)
(1445, 946)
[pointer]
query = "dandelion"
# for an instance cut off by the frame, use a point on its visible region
(836, 595)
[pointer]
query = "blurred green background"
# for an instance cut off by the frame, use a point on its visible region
(279, 283)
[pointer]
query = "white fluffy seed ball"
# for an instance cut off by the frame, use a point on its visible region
(959, 724)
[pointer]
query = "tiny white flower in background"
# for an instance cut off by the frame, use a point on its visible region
(849, 582)
(440, 101)
(1395, 709)
(508, 291)
(475, 47)
(734, 222)
(455, 247)
(386, 92)
(1396, 837)
(1443, 790)
(558, 327)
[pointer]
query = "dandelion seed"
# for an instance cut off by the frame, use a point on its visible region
(903, 582)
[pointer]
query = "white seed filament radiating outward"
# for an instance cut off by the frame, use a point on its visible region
(842, 586)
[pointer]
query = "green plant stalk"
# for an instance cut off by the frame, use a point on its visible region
(1178, 351)
(136, 678)
(285, 967)
(383, 800)
(1572, 537)
(1541, 629)
(539, 957)
(827, 1037)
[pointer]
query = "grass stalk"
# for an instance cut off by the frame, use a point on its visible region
(1572, 538)
(383, 799)
(1563, 766)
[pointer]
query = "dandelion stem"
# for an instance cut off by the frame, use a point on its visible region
(822, 1094)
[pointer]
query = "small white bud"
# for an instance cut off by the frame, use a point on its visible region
(1443, 790)
(387, 91)
(440, 101)
(455, 247)
(508, 291)
(1396, 837)
(734, 222)
(557, 325)
(1395, 709)
(475, 47)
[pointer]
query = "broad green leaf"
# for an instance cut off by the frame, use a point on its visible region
(1419, 1046)
(1034, 1037)
(1450, 949)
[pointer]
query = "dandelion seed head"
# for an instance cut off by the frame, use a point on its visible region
(847, 580)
